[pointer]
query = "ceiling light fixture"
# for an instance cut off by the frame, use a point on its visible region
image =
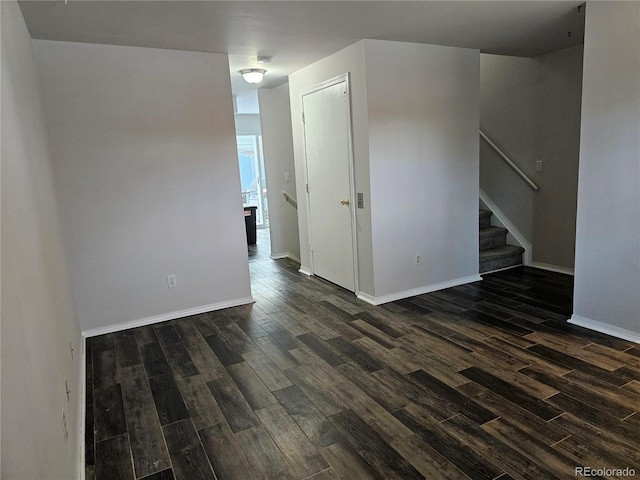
(253, 75)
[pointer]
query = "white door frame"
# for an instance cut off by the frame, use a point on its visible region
(321, 86)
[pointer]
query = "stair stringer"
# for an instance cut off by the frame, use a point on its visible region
(514, 236)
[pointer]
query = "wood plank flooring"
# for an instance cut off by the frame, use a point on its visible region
(480, 381)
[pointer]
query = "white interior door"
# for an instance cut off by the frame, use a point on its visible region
(327, 144)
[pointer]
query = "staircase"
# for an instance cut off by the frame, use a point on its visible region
(495, 254)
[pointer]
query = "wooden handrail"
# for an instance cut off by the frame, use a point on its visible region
(290, 199)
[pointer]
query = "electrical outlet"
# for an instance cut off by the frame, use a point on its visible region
(418, 260)
(171, 281)
(538, 165)
(65, 431)
(287, 176)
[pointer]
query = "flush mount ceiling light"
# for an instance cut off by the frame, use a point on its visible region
(253, 75)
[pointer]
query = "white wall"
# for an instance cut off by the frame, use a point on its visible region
(507, 101)
(38, 318)
(557, 110)
(415, 152)
(530, 107)
(423, 110)
(144, 153)
(607, 270)
(277, 142)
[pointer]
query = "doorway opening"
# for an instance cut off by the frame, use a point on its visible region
(253, 183)
(252, 177)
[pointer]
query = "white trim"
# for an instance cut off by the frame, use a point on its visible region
(605, 328)
(306, 271)
(552, 268)
(352, 189)
(365, 297)
(417, 291)
(289, 255)
(327, 83)
(515, 233)
(166, 316)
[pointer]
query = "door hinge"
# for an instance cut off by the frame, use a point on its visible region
(303, 117)
(307, 187)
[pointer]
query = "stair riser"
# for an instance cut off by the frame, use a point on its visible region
(500, 263)
(495, 254)
(493, 241)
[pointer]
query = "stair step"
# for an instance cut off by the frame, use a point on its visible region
(497, 258)
(485, 218)
(491, 237)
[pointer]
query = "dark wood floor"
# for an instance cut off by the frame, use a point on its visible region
(480, 381)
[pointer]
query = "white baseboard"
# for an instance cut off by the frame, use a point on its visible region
(306, 271)
(166, 316)
(552, 268)
(506, 223)
(416, 291)
(289, 255)
(365, 297)
(605, 328)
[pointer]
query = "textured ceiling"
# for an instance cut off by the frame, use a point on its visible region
(297, 33)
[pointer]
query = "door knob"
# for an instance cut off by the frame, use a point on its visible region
(346, 201)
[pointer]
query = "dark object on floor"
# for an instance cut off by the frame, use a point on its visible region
(250, 224)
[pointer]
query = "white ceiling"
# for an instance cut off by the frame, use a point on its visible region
(297, 33)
